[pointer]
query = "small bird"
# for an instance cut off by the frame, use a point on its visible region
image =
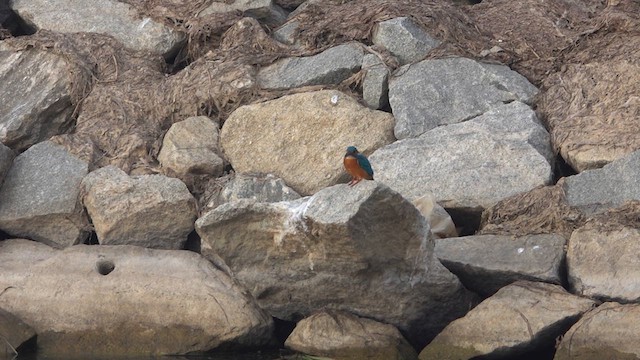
(357, 165)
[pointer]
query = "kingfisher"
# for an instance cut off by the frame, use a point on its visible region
(357, 165)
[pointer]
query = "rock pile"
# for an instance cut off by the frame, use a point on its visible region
(504, 211)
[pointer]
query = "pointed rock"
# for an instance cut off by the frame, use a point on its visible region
(363, 249)
(521, 317)
(302, 138)
(404, 39)
(437, 92)
(40, 196)
(375, 85)
(486, 263)
(340, 335)
(115, 18)
(118, 301)
(153, 211)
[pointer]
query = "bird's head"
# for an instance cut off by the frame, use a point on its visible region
(351, 150)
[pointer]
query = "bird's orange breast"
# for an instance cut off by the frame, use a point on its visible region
(351, 164)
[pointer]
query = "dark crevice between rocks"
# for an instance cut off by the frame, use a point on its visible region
(12, 22)
(282, 330)
(193, 243)
(92, 239)
(4, 235)
(28, 349)
(562, 169)
(467, 221)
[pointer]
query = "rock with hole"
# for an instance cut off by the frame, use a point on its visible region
(152, 211)
(127, 301)
(40, 196)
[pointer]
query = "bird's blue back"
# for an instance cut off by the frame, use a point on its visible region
(364, 163)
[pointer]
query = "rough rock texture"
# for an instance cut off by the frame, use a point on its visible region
(260, 9)
(446, 91)
(13, 333)
(608, 332)
(439, 220)
(375, 85)
(404, 39)
(32, 111)
(190, 147)
(286, 33)
(153, 211)
(259, 188)
(361, 249)
(486, 263)
(302, 138)
(150, 301)
(597, 190)
(115, 18)
(602, 262)
(331, 66)
(521, 317)
(6, 159)
(39, 198)
(340, 335)
(472, 165)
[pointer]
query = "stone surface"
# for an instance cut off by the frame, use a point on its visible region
(472, 165)
(259, 188)
(153, 211)
(190, 147)
(302, 138)
(608, 332)
(439, 220)
(115, 18)
(451, 90)
(404, 39)
(286, 33)
(361, 249)
(32, 111)
(521, 317)
(6, 159)
(486, 263)
(603, 263)
(375, 85)
(117, 301)
(594, 191)
(39, 198)
(264, 10)
(340, 335)
(13, 334)
(331, 66)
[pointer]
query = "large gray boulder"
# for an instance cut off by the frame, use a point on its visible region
(117, 301)
(40, 196)
(13, 334)
(331, 66)
(114, 18)
(486, 263)
(190, 147)
(519, 318)
(594, 191)
(472, 165)
(609, 331)
(362, 249)
(451, 90)
(340, 335)
(302, 138)
(602, 262)
(33, 111)
(404, 39)
(6, 159)
(375, 85)
(266, 188)
(153, 211)
(265, 10)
